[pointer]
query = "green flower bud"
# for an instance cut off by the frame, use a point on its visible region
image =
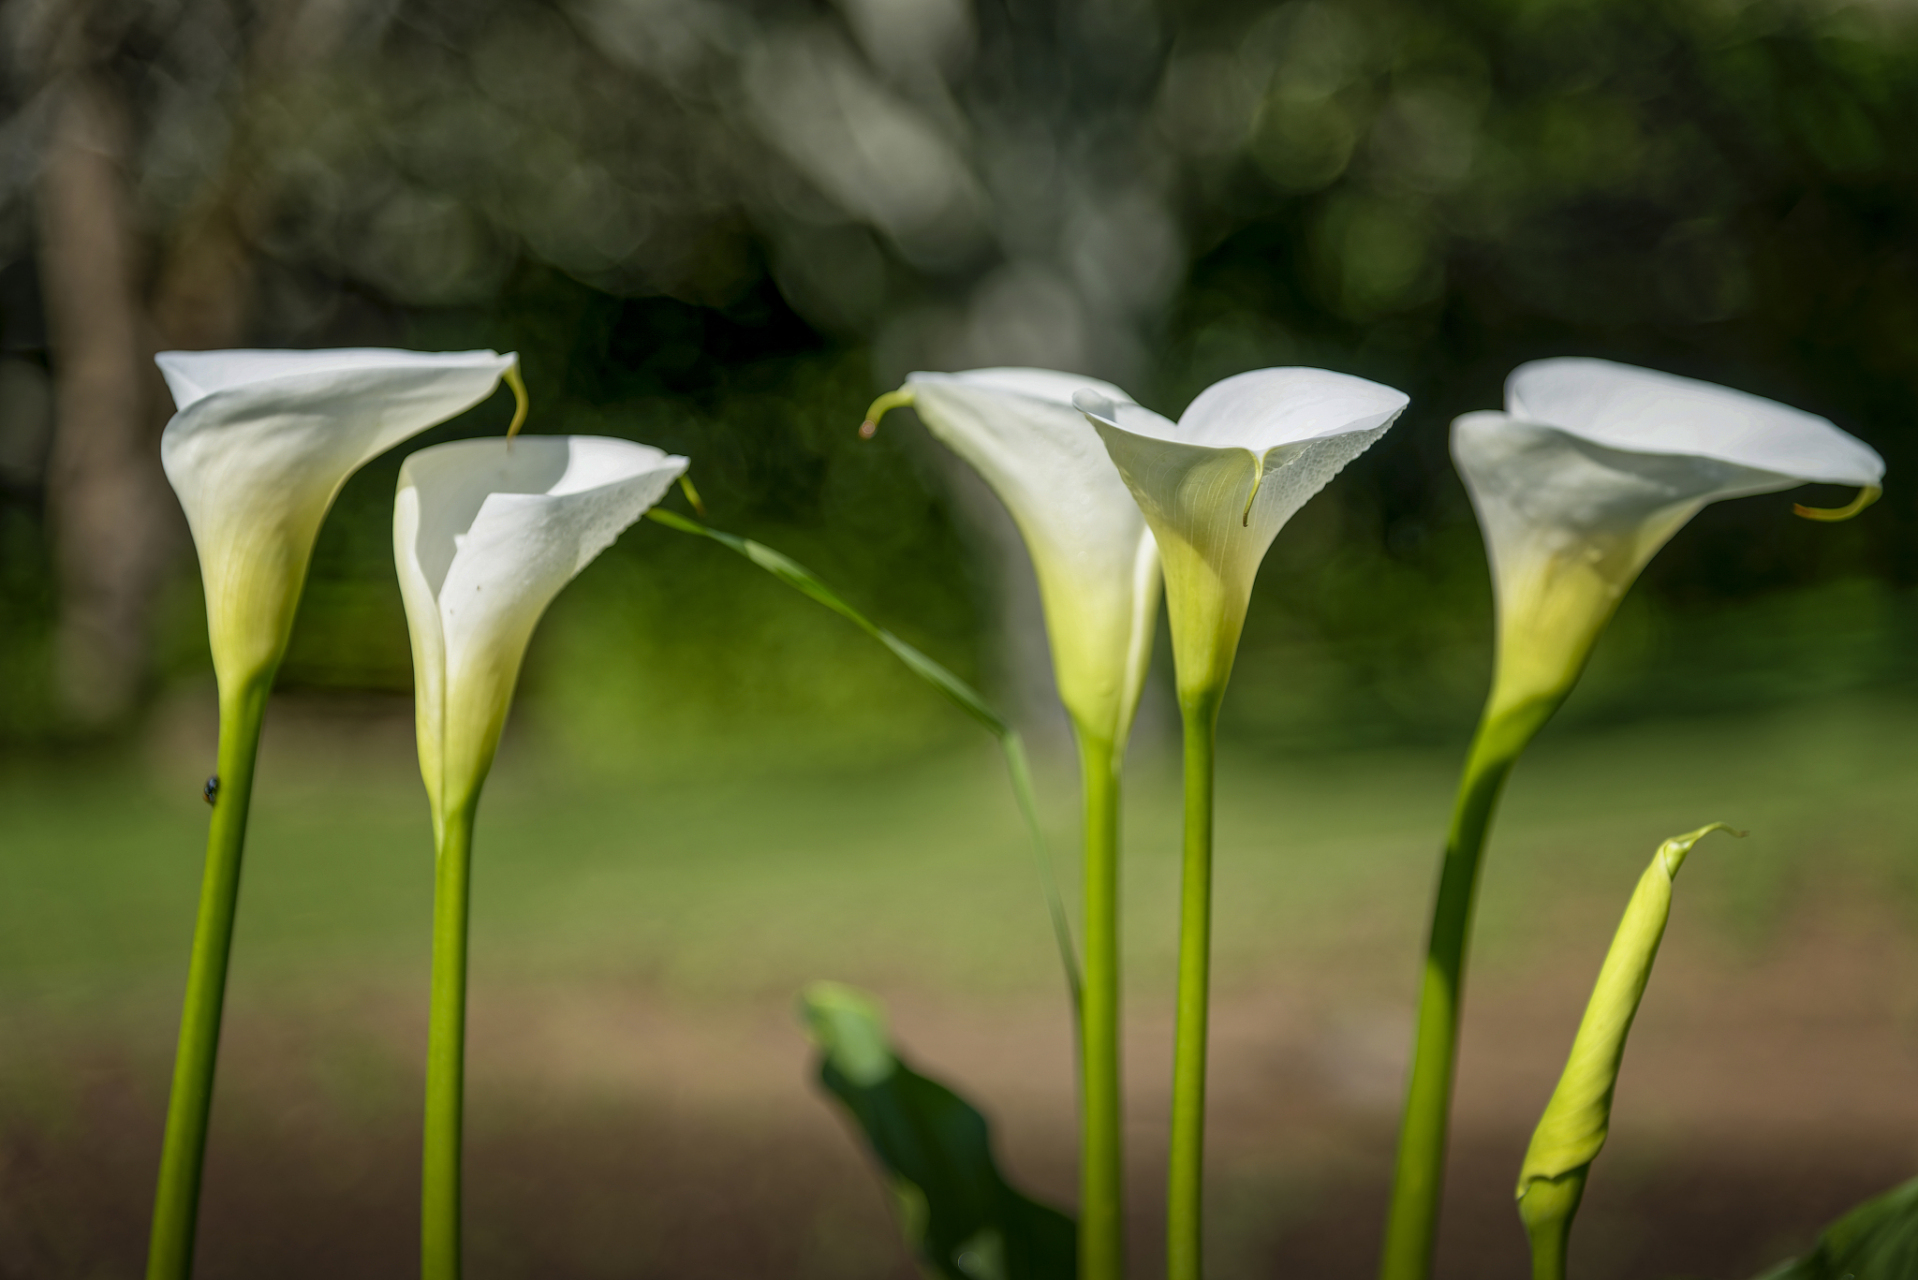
(1572, 1131)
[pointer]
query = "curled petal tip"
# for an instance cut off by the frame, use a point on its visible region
(521, 402)
(1866, 496)
(1673, 851)
(1094, 403)
(885, 404)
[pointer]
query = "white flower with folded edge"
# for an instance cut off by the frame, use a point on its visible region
(485, 534)
(1097, 567)
(1588, 472)
(1098, 573)
(261, 445)
(1217, 486)
(1591, 469)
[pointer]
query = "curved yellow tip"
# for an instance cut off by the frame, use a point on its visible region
(692, 495)
(520, 401)
(1258, 478)
(885, 404)
(1866, 496)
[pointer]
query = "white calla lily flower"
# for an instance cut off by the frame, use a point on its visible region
(261, 444)
(1097, 566)
(485, 533)
(1591, 469)
(260, 447)
(1217, 486)
(1098, 572)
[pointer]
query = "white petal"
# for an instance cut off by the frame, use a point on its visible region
(1569, 524)
(486, 533)
(1594, 468)
(1267, 408)
(193, 375)
(1217, 487)
(260, 447)
(1651, 412)
(1038, 384)
(1532, 483)
(1096, 564)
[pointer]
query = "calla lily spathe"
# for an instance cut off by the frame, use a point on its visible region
(1217, 486)
(1592, 467)
(1099, 582)
(261, 445)
(485, 534)
(1097, 567)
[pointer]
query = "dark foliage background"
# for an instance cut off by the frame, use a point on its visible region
(721, 226)
(655, 204)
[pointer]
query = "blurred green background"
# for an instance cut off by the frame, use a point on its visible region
(722, 226)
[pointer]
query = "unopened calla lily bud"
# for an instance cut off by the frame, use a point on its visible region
(485, 533)
(1217, 485)
(1572, 1131)
(260, 447)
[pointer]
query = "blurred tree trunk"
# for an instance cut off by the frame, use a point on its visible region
(116, 528)
(112, 515)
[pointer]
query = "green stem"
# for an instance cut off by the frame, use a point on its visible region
(1547, 1209)
(183, 1155)
(1186, 1165)
(1101, 1162)
(1412, 1222)
(446, 1049)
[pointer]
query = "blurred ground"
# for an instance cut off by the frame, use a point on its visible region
(639, 1101)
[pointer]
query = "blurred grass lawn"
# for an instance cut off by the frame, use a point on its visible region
(637, 1105)
(915, 872)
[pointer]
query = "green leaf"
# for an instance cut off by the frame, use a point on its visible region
(958, 1212)
(956, 691)
(1876, 1241)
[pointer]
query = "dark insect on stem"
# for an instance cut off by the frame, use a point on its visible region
(212, 789)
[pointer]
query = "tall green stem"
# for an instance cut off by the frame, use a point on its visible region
(1412, 1223)
(1101, 1159)
(446, 1049)
(1186, 1168)
(176, 1204)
